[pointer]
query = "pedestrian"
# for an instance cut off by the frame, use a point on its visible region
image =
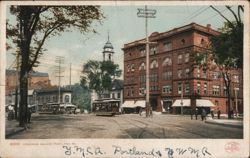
(151, 112)
(212, 113)
(29, 115)
(140, 111)
(192, 113)
(196, 113)
(203, 114)
(218, 113)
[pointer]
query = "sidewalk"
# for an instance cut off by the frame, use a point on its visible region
(226, 122)
(12, 127)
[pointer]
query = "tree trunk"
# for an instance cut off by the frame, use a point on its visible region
(25, 52)
(229, 100)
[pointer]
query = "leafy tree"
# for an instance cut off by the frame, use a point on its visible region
(34, 25)
(227, 50)
(98, 75)
(80, 96)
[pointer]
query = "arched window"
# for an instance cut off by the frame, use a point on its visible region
(154, 64)
(142, 66)
(167, 62)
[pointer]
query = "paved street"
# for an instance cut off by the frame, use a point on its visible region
(123, 126)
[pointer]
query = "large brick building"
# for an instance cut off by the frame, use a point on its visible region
(173, 71)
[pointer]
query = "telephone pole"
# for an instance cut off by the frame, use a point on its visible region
(147, 13)
(59, 60)
(70, 76)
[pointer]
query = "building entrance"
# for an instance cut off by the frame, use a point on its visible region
(153, 103)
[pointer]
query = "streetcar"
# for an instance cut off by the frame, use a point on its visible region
(106, 107)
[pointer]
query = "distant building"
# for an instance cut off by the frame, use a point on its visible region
(173, 72)
(36, 80)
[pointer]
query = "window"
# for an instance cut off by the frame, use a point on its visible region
(167, 89)
(168, 46)
(132, 67)
(154, 64)
(118, 95)
(109, 56)
(142, 66)
(186, 57)
(113, 95)
(236, 78)
(187, 88)
(199, 88)
(187, 73)
(179, 61)
(132, 92)
(205, 74)
(143, 78)
(153, 50)
(236, 92)
(167, 62)
(142, 91)
(66, 98)
(128, 68)
(179, 73)
(205, 88)
(179, 88)
(154, 88)
(216, 90)
(198, 72)
(153, 77)
(216, 75)
(142, 52)
(167, 75)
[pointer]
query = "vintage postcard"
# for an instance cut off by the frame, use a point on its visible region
(129, 79)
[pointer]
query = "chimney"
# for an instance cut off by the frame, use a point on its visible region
(208, 27)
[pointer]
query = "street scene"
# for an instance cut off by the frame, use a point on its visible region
(130, 126)
(124, 72)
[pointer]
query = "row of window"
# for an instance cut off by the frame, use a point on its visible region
(154, 64)
(182, 87)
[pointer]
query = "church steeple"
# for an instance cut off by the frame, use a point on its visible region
(108, 51)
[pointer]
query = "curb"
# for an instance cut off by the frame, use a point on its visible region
(224, 124)
(13, 132)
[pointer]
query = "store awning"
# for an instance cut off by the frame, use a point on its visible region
(140, 103)
(128, 104)
(204, 103)
(177, 103)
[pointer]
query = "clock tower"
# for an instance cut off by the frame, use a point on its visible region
(108, 51)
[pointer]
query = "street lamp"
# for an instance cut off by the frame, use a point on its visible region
(147, 13)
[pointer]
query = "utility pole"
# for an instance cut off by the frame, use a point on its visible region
(59, 60)
(147, 13)
(181, 97)
(70, 76)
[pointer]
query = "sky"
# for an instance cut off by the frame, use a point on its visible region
(123, 26)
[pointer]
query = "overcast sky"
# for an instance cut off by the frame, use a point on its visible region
(124, 26)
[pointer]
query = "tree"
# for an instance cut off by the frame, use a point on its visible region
(227, 50)
(98, 75)
(34, 25)
(80, 96)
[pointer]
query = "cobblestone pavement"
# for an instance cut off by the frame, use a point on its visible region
(123, 126)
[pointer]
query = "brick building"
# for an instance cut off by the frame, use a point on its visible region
(36, 80)
(173, 71)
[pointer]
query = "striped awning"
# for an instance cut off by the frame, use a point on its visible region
(186, 102)
(204, 103)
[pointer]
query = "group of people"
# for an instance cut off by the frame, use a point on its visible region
(203, 114)
(149, 111)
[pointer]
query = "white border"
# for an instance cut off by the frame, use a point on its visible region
(216, 146)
